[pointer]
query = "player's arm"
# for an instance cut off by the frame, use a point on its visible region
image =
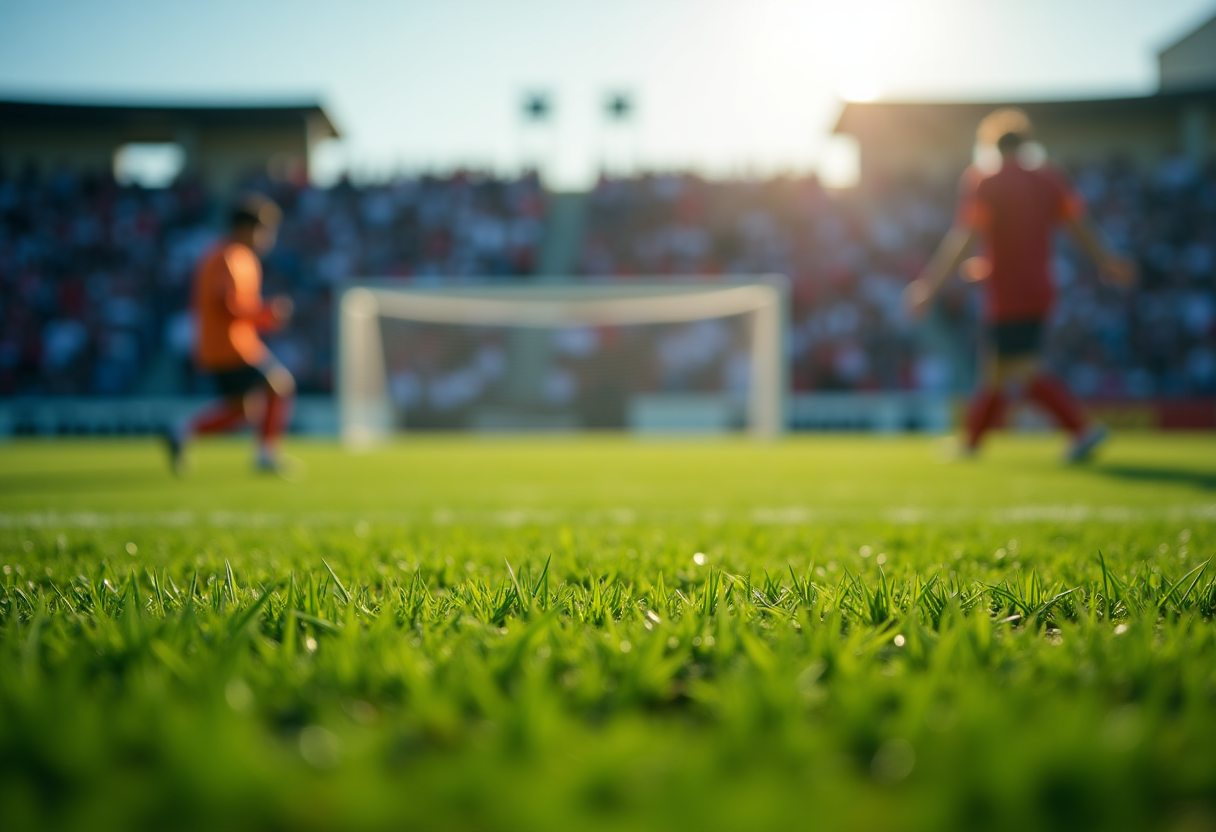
(275, 313)
(244, 301)
(1114, 268)
(945, 262)
(269, 316)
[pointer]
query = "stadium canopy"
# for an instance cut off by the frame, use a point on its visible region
(1190, 61)
(933, 140)
(221, 144)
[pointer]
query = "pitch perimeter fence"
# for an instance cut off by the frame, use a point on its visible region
(660, 413)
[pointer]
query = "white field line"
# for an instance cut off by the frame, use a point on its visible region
(621, 516)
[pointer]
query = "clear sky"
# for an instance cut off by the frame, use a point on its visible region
(721, 85)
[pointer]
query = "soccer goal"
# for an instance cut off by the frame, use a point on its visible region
(673, 356)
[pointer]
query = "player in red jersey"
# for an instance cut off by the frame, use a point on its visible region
(229, 314)
(1015, 211)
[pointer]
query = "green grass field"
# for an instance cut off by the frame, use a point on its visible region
(578, 634)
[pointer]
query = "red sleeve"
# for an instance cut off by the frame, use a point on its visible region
(1071, 204)
(972, 212)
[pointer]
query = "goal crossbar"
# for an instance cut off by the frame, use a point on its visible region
(363, 405)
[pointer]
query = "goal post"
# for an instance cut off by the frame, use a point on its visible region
(366, 410)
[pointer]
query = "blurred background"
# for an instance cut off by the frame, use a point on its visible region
(541, 142)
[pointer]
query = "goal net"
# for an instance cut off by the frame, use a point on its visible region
(679, 356)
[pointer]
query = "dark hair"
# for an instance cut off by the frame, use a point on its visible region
(1010, 142)
(254, 210)
(1005, 129)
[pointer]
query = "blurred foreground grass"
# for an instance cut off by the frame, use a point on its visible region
(582, 634)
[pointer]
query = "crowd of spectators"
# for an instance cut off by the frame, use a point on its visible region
(445, 376)
(88, 274)
(94, 278)
(1159, 340)
(849, 256)
(847, 262)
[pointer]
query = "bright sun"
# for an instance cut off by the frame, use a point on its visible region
(859, 87)
(860, 37)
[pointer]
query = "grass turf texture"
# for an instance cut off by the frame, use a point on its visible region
(512, 634)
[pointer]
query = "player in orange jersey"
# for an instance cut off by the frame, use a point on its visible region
(229, 314)
(1014, 210)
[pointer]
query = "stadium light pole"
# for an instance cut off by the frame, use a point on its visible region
(530, 350)
(619, 108)
(536, 111)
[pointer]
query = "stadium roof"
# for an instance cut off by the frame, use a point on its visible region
(1190, 61)
(857, 116)
(48, 114)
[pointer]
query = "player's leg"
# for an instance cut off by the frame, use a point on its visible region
(232, 411)
(280, 389)
(1023, 369)
(1050, 393)
(987, 406)
(985, 411)
(224, 415)
(1047, 391)
(227, 414)
(1001, 374)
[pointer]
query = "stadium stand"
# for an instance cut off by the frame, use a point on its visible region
(93, 276)
(850, 255)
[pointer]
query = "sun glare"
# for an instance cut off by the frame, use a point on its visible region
(857, 40)
(860, 87)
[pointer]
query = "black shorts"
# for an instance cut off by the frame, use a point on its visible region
(1016, 339)
(241, 380)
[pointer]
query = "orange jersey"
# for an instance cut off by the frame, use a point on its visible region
(228, 308)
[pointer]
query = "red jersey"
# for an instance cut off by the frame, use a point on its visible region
(1016, 211)
(228, 308)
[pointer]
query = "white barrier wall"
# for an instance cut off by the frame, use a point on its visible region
(84, 416)
(878, 412)
(318, 415)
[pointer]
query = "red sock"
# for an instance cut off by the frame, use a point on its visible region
(1049, 392)
(275, 419)
(221, 417)
(983, 414)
